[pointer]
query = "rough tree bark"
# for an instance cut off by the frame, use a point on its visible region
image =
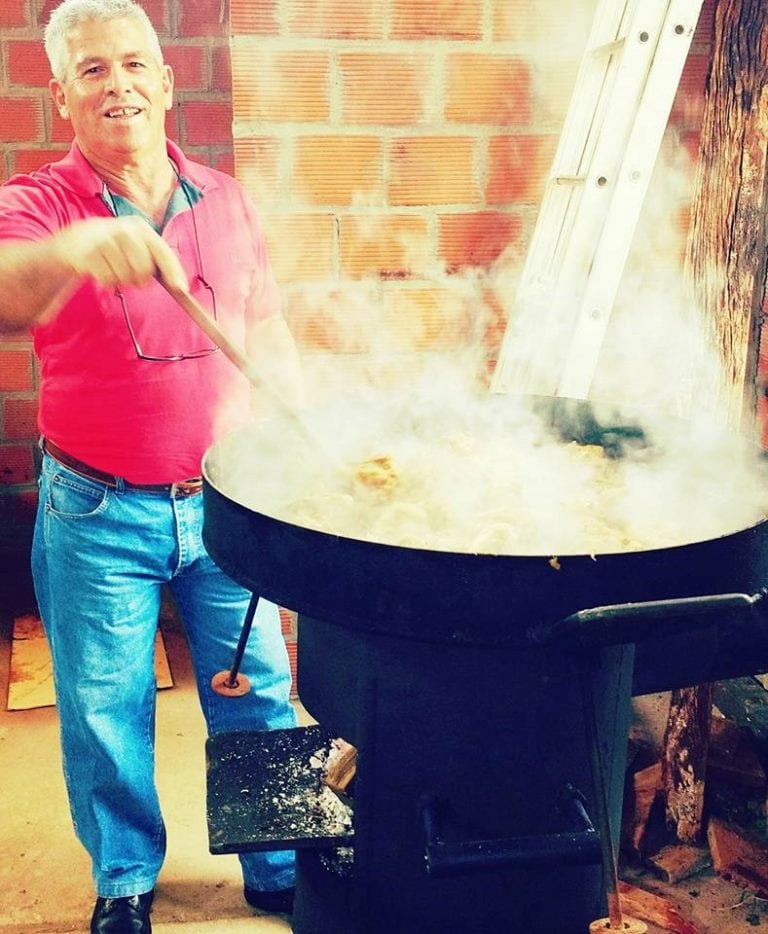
(686, 743)
(726, 253)
(726, 263)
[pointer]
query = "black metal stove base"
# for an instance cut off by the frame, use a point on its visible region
(493, 736)
(560, 901)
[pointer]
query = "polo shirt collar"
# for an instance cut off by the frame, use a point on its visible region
(76, 173)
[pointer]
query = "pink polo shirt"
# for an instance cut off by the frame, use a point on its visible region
(145, 421)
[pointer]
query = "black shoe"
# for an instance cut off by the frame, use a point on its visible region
(128, 915)
(276, 902)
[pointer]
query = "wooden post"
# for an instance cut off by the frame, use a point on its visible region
(726, 264)
(726, 253)
(684, 764)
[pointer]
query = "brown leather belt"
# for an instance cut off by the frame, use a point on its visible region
(184, 488)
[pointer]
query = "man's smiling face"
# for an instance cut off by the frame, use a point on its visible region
(114, 90)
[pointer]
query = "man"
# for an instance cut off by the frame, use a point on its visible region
(132, 393)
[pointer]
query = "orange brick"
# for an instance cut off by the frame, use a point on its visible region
(156, 10)
(257, 166)
(493, 89)
(279, 85)
(253, 17)
(301, 246)
(518, 167)
(61, 130)
(338, 169)
(429, 319)
(22, 336)
(20, 422)
(539, 23)
(477, 239)
(15, 370)
(16, 464)
(27, 64)
(688, 107)
(446, 19)
(173, 123)
(383, 88)
(288, 624)
(188, 64)
(27, 160)
(706, 24)
(691, 141)
(224, 161)
(293, 650)
(389, 246)
(13, 13)
(552, 94)
(221, 69)
(21, 119)
(333, 317)
(336, 19)
(433, 170)
(207, 123)
(202, 19)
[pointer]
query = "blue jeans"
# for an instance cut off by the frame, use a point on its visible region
(100, 558)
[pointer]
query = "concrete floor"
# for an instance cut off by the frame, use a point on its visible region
(44, 873)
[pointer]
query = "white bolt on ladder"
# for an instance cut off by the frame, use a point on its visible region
(619, 109)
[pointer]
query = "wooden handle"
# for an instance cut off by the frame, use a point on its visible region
(230, 350)
(206, 323)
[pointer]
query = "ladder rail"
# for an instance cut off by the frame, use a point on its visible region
(579, 239)
(595, 82)
(594, 311)
(592, 200)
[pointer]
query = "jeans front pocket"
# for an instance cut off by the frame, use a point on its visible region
(72, 497)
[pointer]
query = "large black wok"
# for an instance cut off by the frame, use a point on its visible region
(439, 596)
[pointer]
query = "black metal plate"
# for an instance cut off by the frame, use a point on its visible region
(265, 792)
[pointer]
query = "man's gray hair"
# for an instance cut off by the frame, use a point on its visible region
(71, 13)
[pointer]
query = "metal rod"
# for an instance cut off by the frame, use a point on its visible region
(243, 641)
(607, 849)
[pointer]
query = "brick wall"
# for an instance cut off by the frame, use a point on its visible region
(398, 152)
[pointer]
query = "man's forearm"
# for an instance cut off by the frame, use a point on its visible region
(272, 352)
(33, 283)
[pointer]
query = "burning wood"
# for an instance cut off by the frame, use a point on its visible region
(340, 766)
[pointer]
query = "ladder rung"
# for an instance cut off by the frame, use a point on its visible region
(608, 48)
(570, 179)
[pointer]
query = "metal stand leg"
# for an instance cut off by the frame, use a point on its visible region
(228, 683)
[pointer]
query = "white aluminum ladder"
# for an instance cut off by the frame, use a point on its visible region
(619, 109)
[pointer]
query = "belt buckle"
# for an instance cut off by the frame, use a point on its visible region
(186, 488)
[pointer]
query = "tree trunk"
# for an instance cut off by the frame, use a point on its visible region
(684, 766)
(726, 255)
(726, 263)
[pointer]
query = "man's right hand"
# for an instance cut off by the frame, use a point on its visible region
(118, 251)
